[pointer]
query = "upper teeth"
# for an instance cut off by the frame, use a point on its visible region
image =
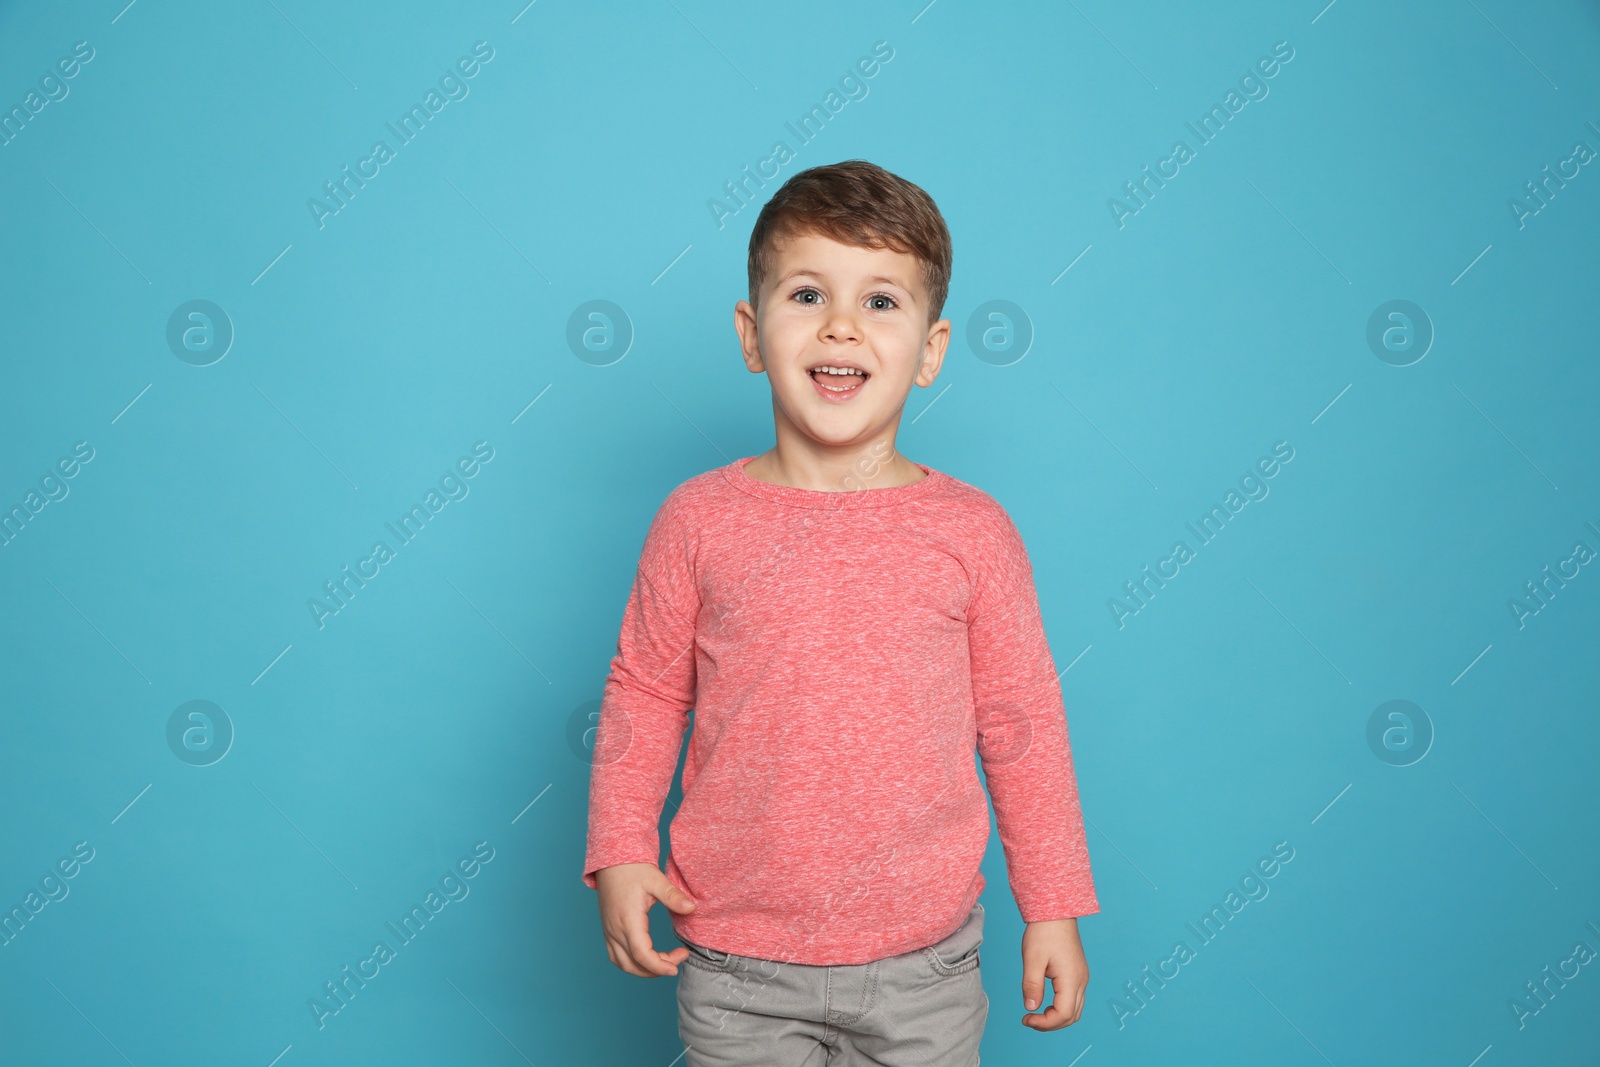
(838, 370)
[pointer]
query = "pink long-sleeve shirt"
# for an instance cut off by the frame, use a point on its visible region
(844, 653)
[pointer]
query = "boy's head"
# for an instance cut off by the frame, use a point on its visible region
(849, 266)
(861, 204)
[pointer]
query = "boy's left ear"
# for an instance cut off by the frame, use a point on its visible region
(744, 324)
(933, 351)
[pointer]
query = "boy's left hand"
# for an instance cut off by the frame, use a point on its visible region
(1052, 950)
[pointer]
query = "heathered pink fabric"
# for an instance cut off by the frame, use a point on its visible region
(844, 654)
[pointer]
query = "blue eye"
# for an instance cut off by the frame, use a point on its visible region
(891, 301)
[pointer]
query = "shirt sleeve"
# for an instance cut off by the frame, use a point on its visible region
(1022, 738)
(644, 707)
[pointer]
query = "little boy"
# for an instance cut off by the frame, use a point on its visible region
(849, 626)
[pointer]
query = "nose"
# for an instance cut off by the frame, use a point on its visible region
(841, 325)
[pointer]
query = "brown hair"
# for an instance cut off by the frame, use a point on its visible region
(861, 204)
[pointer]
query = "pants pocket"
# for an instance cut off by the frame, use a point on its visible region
(958, 953)
(709, 959)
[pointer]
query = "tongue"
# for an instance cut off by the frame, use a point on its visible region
(839, 381)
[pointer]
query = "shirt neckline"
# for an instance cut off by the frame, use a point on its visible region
(932, 481)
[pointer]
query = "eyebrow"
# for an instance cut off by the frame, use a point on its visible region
(875, 278)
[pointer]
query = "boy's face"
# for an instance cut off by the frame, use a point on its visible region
(830, 304)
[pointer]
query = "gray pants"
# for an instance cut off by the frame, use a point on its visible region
(924, 1008)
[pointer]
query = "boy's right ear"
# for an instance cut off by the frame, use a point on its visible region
(744, 323)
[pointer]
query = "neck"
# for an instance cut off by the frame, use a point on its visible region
(875, 466)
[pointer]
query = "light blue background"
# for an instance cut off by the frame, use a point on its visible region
(434, 711)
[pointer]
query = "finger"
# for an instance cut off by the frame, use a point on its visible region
(1033, 984)
(1071, 999)
(637, 933)
(675, 899)
(661, 966)
(1033, 978)
(619, 956)
(628, 940)
(647, 959)
(1052, 1019)
(1066, 1008)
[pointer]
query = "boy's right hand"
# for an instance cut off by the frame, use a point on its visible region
(627, 890)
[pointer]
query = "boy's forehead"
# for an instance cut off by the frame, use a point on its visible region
(824, 257)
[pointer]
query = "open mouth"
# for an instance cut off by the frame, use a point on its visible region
(838, 383)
